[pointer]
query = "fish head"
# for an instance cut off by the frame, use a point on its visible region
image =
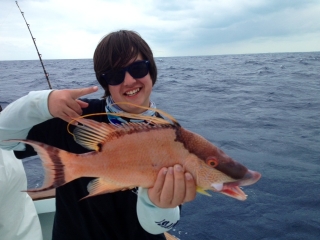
(214, 169)
(220, 173)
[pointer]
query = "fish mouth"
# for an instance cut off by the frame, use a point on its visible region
(232, 189)
(234, 192)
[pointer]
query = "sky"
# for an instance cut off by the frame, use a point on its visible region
(71, 29)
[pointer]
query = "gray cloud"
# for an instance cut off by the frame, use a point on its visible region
(71, 29)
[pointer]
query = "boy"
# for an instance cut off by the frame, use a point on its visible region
(18, 216)
(125, 68)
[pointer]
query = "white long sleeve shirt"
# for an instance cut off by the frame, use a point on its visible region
(18, 216)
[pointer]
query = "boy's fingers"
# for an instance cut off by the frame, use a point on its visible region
(64, 103)
(168, 188)
(82, 104)
(179, 186)
(190, 188)
(76, 93)
(155, 192)
(73, 110)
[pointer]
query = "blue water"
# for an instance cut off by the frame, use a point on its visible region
(261, 109)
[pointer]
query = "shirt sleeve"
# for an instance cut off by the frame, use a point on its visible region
(18, 219)
(153, 219)
(20, 116)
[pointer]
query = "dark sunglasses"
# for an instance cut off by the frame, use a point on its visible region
(138, 69)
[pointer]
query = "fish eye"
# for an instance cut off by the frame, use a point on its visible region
(212, 162)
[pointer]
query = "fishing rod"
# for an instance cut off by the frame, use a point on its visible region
(34, 41)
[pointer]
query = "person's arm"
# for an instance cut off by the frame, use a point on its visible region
(158, 207)
(19, 117)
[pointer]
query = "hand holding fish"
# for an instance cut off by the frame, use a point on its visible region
(172, 188)
(64, 104)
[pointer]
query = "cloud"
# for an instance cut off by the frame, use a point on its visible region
(72, 29)
(262, 22)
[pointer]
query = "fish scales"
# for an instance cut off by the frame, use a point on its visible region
(144, 151)
(156, 147)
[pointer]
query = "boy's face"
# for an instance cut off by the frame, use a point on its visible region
(136, 91)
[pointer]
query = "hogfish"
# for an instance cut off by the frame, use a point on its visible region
(130, 155)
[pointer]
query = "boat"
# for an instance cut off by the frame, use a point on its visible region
(45, 206)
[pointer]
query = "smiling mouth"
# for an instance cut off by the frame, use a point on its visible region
(132, 92)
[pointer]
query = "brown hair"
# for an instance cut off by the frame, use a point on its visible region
(116, 49)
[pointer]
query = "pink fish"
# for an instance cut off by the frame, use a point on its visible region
(130, 155)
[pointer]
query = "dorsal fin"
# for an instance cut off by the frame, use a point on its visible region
(91, 134)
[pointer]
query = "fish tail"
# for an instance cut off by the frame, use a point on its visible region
(55, 162)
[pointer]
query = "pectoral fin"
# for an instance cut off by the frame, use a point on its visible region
(101, 186)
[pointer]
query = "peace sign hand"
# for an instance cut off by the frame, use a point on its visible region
(64, 104)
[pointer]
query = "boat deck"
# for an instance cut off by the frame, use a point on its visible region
(45, 205)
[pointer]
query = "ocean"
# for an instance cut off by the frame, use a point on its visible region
(263, 110)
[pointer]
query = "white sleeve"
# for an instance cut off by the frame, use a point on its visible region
(18, 219)
(20, 116)
(153, 219)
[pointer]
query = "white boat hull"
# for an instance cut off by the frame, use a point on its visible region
(46, 209)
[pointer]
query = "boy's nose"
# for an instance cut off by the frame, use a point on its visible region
(128, 79)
